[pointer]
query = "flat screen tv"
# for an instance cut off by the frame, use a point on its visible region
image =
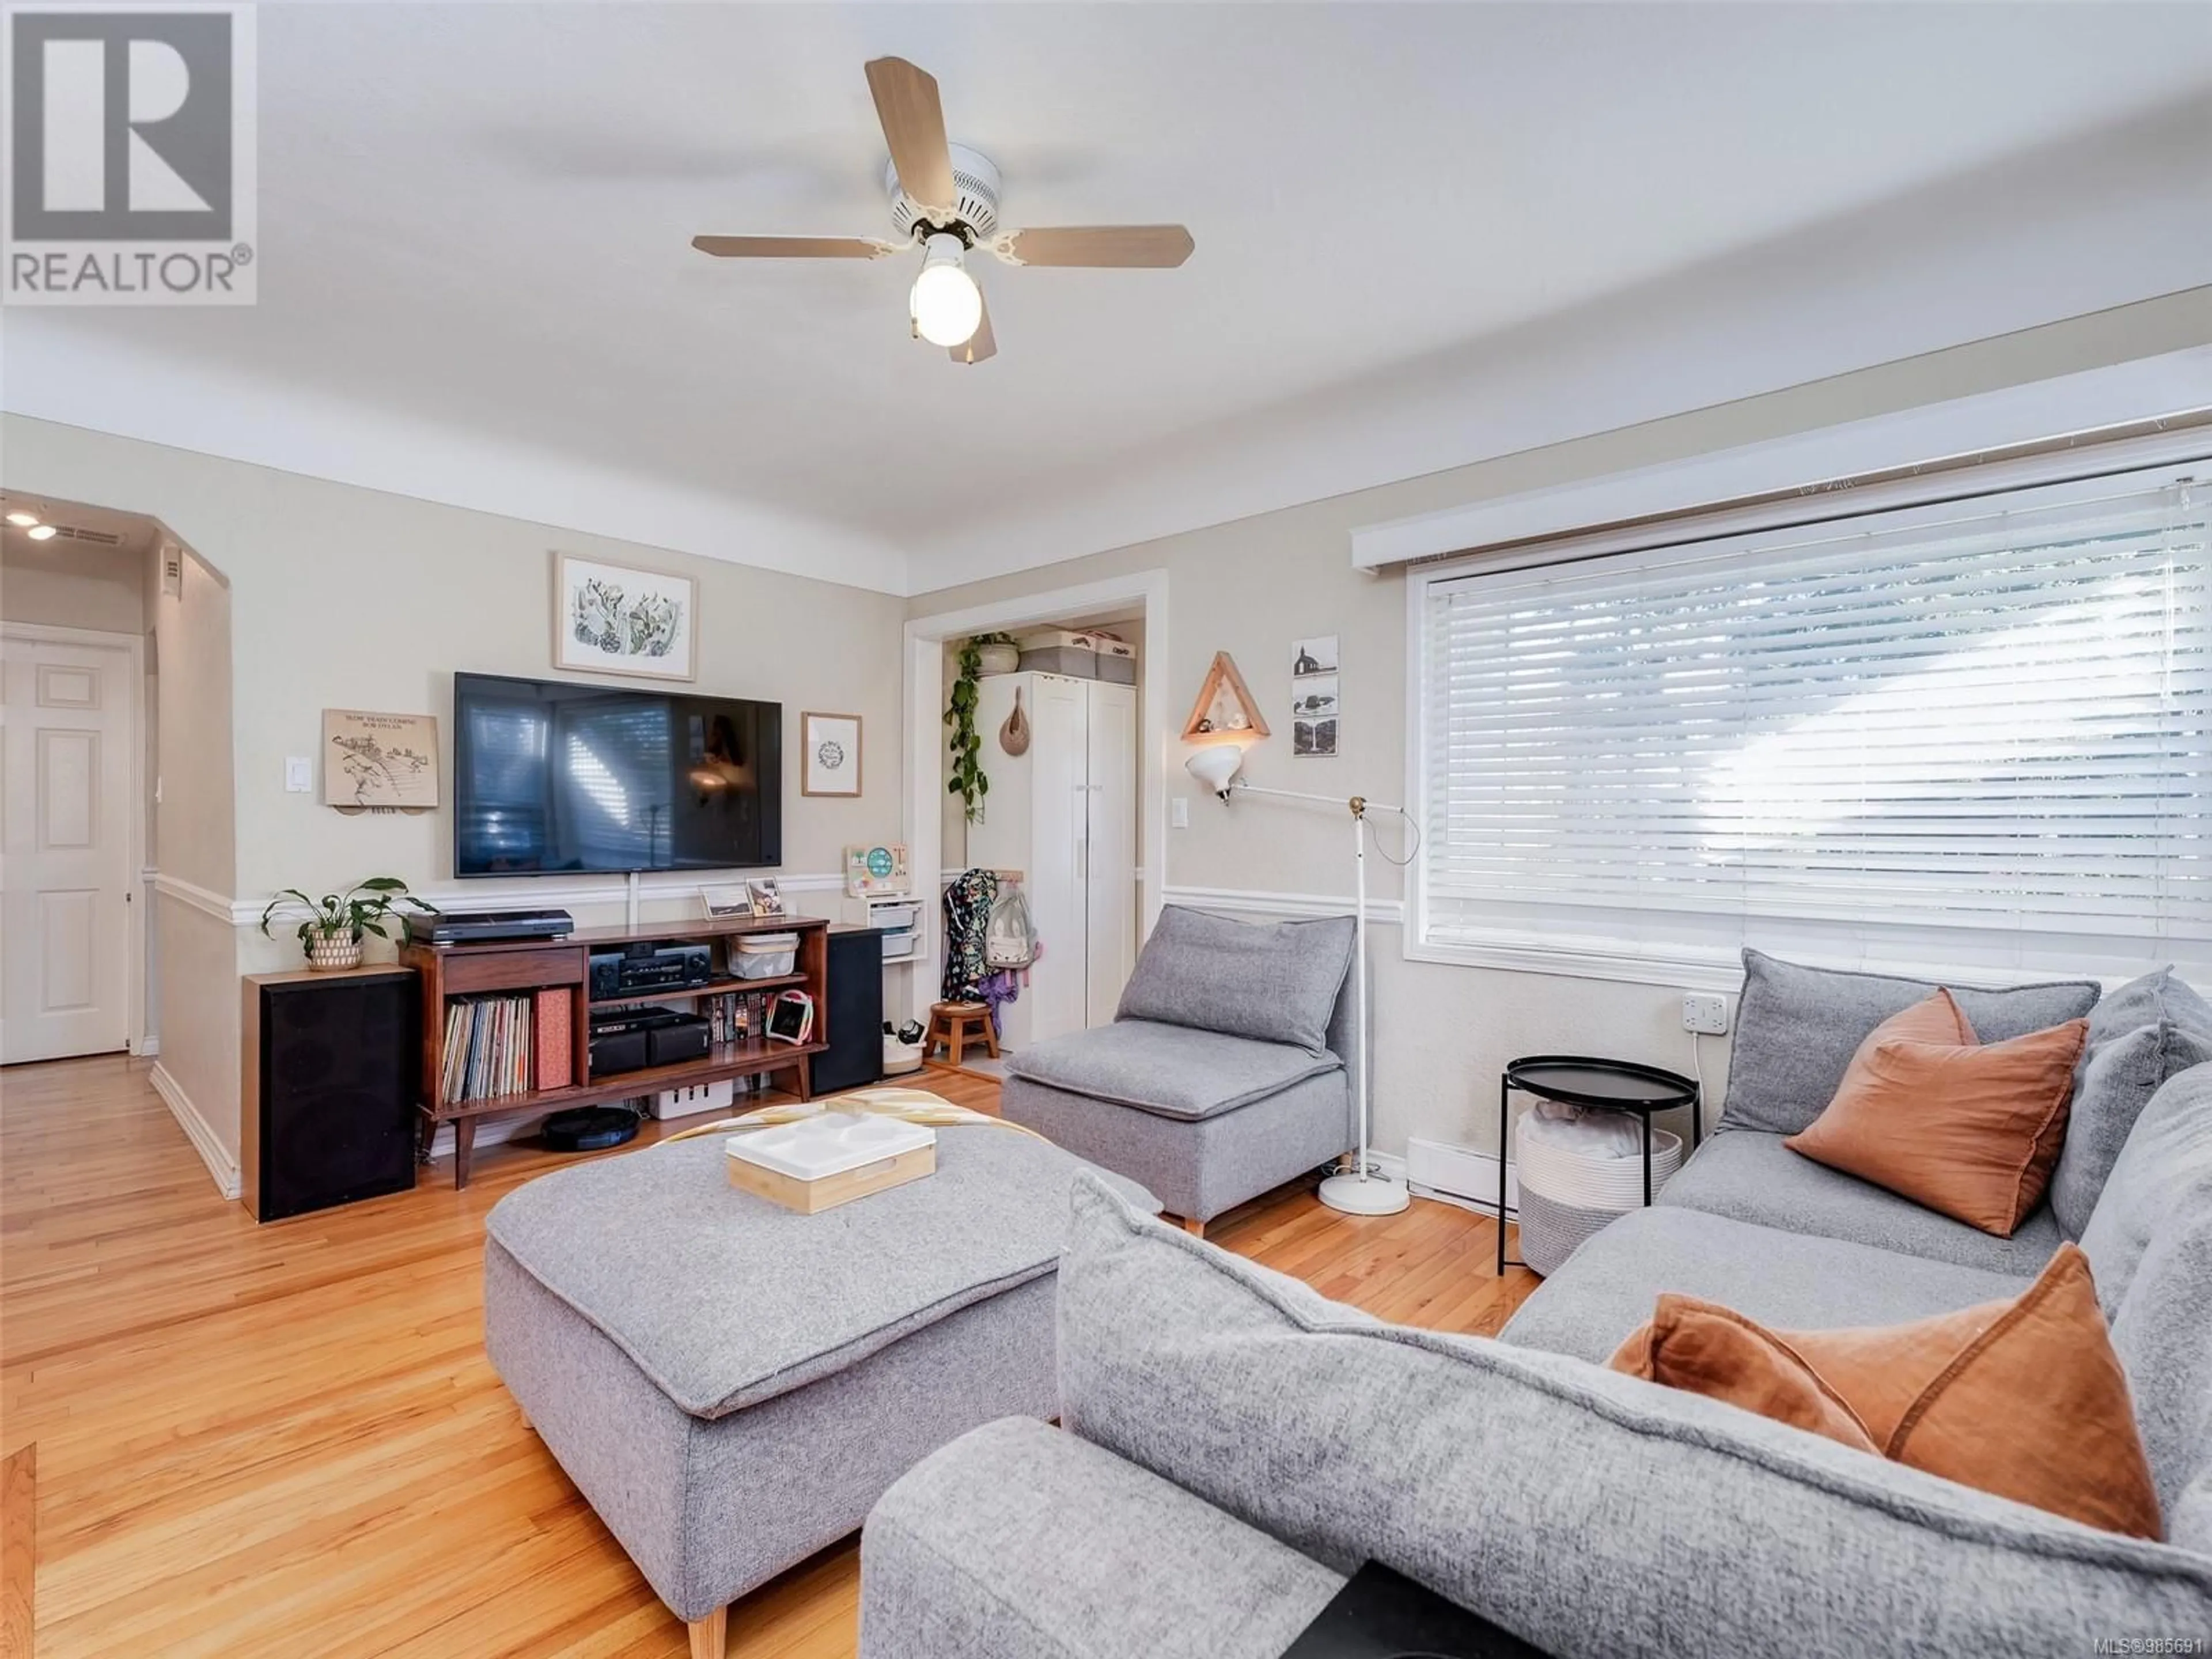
(551, 777)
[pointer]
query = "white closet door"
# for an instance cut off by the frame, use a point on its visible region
(1111, 900)
(1055, 880)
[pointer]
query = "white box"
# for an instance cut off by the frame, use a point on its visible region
(830, 1143)
(693, 1099)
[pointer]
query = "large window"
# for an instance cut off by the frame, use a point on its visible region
(1972, 735)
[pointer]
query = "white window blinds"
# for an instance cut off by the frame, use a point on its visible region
(1985, 722)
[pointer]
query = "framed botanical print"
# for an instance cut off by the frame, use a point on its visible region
(831, 745)
(610, 619)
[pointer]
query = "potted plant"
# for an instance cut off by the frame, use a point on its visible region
(332, 934)
(997, 653)
(977, 653)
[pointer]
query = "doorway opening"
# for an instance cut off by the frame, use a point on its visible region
(1130, 732)
(75, 659)
(118, 868)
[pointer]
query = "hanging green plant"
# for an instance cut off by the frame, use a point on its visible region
(968, 780)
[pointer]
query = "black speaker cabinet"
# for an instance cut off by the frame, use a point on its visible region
(854, 1020)
(332, 1063)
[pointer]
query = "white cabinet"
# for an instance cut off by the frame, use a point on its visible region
(1064, 813)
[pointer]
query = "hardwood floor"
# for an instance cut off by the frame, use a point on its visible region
(286, 1440)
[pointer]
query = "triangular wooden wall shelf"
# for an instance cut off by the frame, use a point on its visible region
(1223, 697)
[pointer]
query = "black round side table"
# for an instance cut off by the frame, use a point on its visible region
(1601, 1086)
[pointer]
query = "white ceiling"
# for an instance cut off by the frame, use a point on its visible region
(134, 533)
(1426, 234)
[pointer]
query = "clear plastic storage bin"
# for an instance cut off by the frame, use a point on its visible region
(765, 956)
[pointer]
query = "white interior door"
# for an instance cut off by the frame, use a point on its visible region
(67, 719)
(1110, 895)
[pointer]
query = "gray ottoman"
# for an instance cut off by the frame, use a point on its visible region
(732, 1385)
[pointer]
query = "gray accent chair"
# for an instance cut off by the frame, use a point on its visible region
(1259, 1441)
(1226, 1072)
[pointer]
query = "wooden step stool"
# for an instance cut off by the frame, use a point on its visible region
(954, 1024)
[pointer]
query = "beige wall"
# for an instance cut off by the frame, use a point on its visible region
(65, 584)
(346, 597)
(194, 971)
(194, 822)
(1252, 586)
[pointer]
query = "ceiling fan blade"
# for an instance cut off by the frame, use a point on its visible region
(1155, 246)
(914, 127)
(792, 247)
(979, 345)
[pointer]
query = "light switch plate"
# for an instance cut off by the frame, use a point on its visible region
(1179, 811)
(1705, 1014)
(298, 775)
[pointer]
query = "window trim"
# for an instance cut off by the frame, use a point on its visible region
(2165, 457)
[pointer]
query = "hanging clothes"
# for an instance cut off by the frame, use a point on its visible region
(1000, 986)
(968, 900)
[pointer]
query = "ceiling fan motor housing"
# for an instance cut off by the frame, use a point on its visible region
(976, 210)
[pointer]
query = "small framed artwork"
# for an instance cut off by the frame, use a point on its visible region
(762, 897)
(379, 762)
(1314, 656)
(1314, 707)
(732, 899)
(610, 619)
(831, 745)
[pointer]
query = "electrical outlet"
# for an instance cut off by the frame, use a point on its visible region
(298, 775)
(1179, 811)
(1704, 1014)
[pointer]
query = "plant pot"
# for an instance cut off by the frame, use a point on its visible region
(998, 658)
(331, 952)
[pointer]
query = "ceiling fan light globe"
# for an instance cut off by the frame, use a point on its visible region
(947, 305)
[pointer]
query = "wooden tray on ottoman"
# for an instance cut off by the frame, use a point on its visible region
(817, 1163)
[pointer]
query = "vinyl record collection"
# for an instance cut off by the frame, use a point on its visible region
(488, 1048)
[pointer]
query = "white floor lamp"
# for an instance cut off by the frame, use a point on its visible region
(1360, 1190)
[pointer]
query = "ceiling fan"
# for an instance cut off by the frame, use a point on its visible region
(945, 201)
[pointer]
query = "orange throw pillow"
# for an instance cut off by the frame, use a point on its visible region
(2024, 1399)
(1967, 1128)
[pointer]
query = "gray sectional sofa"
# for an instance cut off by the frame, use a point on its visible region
(1232, 1443)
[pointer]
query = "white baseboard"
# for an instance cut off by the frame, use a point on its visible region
(1438, 1169)
(219, 1163)
(147, 1046)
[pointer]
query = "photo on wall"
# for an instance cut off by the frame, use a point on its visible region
(1314, 706)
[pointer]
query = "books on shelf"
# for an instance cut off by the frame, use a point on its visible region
(524, 1043)
(489, 1046)
(734, 1016)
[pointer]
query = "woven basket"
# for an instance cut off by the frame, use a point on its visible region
(1566, 1196)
